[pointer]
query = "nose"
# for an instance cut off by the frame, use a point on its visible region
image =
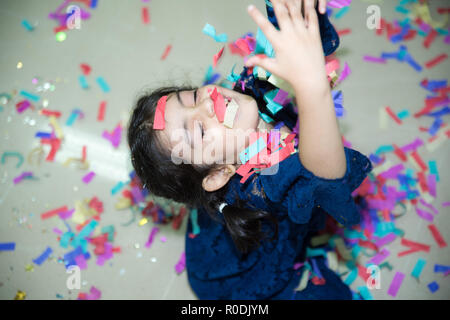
(205, 102)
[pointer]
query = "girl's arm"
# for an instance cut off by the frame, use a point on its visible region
(300, 61)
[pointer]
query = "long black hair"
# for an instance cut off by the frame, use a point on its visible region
(183, 182)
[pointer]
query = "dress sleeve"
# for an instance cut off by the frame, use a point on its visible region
(300, 190)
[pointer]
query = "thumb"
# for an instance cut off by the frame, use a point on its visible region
(261, 60)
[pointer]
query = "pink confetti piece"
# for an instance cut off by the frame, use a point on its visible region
(424, 214)
(23, 105)
(396, 283)
(281, 97)
(153, 232)
(22, 176)
(445, 204)
(412, 146)
(181, 264)
(163, 239)
(87, 178)
(108, 254)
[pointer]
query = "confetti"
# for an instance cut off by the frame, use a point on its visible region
(166, 52)
(420, 264)
(103, 85)
(7, 246)
(437, 236)
(209, 30)
(395, 284)
(39, 260)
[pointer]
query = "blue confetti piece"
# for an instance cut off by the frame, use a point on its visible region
(252, 150)
(93, 4)
(351, 277)
(83, 82)
(365, 293)
(433, 286)
(209, 30)
(420, 264)
(39, 260)
(103, 85)
(73, 116)
(44, 135)
(30, 96)
(435, 126)
(433, 169)
(439, 113)
(8, 246)
(117, 187)
(403, 114)
(441, 268)
(342, 12)
(27, 25)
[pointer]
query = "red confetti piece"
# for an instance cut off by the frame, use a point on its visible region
(219, 105)
(236, 50)
(419, 160)
(85, 68)
(443, 10)
(145, 15)
(382, 27)
(410, 35)
(158, 122)
(437, 236)
(101, 111)
(59, 29)
(83, 154)
(430, 38)
(422, 182)
(415, 246)
(436, 60)
(49, 113)
(55, 144)
(344, 32)
(217, 57)
(53, 212)
(399, 153)
(166, 52)
(393, 115)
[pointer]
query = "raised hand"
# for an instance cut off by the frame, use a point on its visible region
(299, 57)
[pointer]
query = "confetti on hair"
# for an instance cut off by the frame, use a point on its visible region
(158, 122)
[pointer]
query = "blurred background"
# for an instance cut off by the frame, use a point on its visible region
(68, 195)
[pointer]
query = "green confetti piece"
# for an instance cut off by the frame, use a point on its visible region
(13, 154)
(365, 293)
(193, 216)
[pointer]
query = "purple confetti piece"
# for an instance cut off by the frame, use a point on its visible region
(108, 254)
(57, 231)
(374, 59)
(88, 177)
(181, 264)
(22, 176)
(432, 184)
(412, 146)
(298, 265)
(385, 240)
(316, 269)
(281, 97)
(380, 257)
(66, 214)
(393, 171)
(345, 73)
(137, 195)
(396, 283)
(81, 261)
(163, 239)
(154, 231)
(424, 214)
(94, 295)
(445, 204)
(429, 206)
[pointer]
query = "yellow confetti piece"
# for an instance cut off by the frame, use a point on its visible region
(55, 124)
(377, 170)
(261, 73)
(303, 281)
(382, 119)
(332, 260)
(36, 152)
(342, 249)
(20, 295)
(230, 114)
(19, 65)
(143, 221)
(29, 268)
(432, 146)
(320, 240)
(280, 83)
(123, 203)
(423, 11)
(81, 165)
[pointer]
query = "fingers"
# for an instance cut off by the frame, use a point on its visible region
(312, 20)
(266, 27)
(295, 11)
(262, 61)
(282, 14)
(322, 6)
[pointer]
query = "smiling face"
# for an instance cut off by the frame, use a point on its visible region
(194, 134)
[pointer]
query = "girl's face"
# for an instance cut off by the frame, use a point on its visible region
(194, 134)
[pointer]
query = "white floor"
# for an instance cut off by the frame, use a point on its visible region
(126, 53)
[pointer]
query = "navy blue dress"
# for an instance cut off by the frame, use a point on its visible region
(300, 201)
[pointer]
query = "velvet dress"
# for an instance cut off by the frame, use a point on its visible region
(300, 201)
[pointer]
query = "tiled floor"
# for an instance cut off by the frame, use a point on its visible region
(126, 53)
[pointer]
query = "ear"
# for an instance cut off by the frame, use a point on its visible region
(217, 178)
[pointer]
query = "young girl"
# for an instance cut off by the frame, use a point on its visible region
(231, 258)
